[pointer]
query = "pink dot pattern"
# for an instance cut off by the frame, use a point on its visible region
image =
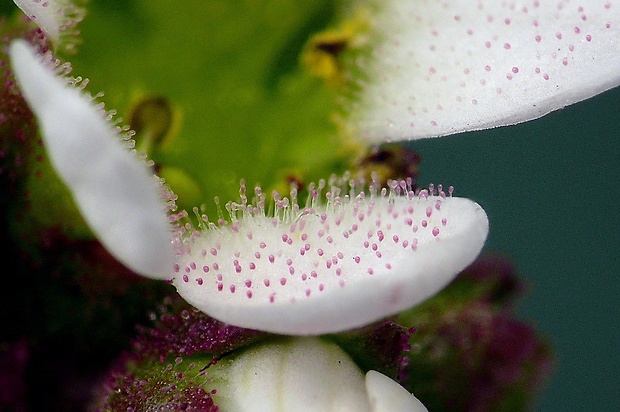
(274, 261)
(485, 63)
(325, 256)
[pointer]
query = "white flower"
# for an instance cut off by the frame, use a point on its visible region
(328, 267)
(349, 257)
(306, 375)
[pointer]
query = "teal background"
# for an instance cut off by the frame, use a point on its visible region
(550, 188)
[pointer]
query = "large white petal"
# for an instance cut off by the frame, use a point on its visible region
(327, 271)
(444, 67)
(386, 395)
(302, 375)
(115, 191)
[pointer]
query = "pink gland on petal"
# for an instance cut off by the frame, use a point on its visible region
(385, 231)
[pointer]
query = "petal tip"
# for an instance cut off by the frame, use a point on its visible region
(385, 395)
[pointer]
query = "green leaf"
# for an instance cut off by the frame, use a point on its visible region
(248, 108)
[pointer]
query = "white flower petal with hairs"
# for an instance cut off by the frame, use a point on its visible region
(337, 264)
(329, 267)
(443, 67)
(115, 191)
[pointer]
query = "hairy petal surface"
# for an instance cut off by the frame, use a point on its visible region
(386, 395)
(115, 191)
(443, 67)
(333, 267)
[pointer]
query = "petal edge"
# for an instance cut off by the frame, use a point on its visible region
(115, 192)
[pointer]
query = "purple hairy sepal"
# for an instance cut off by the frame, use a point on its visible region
(151, 385)
(470, 352)
(170, 360)
(181, 330)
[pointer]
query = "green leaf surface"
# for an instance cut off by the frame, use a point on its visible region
(231, 69)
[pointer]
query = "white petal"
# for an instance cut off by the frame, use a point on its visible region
(302, 375)
(451, 66)
(49, 15)
(388, 396)
(116, 193)
(327, 272)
